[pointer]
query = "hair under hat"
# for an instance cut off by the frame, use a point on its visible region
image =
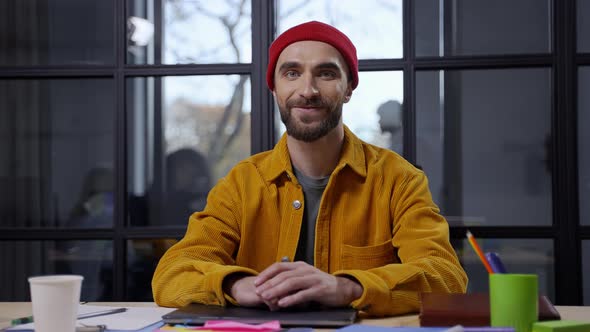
(316, 31)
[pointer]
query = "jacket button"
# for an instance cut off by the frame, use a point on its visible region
(296, 204)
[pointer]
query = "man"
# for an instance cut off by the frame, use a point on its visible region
(390, 122)
(357, 220)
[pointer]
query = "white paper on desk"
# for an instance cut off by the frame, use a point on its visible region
(134, 318)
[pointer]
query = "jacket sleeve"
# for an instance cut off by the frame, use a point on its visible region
(193, 269)
(428, 262)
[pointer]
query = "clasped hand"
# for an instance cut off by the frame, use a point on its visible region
(283, 285)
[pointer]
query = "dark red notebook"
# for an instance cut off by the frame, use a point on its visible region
(441, 309)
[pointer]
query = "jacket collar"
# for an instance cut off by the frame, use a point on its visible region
(352, 156)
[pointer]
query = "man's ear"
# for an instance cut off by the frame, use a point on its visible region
(348, 93)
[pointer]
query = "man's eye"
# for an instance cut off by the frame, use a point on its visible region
(328, 74)
(291, 74)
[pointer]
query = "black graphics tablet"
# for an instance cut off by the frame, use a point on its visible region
(198, 314)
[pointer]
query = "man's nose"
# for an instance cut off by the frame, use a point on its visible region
(309, 88)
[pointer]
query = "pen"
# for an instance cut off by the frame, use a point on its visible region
(102, 313)
(29, 319)
(88, 328)
(479, 252)
(496, 263)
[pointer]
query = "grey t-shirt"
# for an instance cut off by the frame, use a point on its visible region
(313, 190)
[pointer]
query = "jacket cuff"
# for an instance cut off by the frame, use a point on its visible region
(377, 298)
(224, 273)
(371, 293)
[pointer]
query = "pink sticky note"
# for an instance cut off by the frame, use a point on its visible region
(228, 325)
(178, 329)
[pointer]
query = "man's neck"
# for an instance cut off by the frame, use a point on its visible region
(318, 158)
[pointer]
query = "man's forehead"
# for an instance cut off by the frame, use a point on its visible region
(311, 51)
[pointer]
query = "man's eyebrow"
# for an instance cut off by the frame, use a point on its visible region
(328, 65)
(288, 65)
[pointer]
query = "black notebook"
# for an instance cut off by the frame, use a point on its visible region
(198, 314)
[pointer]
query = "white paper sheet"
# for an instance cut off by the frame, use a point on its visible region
(134, 318)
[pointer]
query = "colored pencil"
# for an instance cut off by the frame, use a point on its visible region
(479, 252)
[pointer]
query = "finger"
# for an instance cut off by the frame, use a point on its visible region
(271, 271)
(272, 304)
(287, 285)
(301, 297)
(245, 293)
(279, 279)
(284, 270)
(275, 274)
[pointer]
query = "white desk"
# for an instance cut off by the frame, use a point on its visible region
(12, 310)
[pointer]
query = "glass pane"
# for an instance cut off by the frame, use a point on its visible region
(480, 27)
(518, 255)
(583, 8)
(178, 149)
(142, 258)
(586, 270)
(374, 113)
(56, 32)
(56, 142)
(92, 259)
(584, 143)
(379, 37)
(483, 139)
(192, 32)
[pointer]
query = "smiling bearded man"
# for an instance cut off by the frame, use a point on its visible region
(322, 218)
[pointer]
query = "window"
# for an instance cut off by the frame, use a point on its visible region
(480, 27)
(483, 138)
(583, 26)
(203, 128)
(92, 259)
(191, 32)
(63, 32)
(375, 111)
(58, 142)
(143, 255)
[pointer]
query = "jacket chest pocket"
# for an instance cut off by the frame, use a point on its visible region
(364, 258)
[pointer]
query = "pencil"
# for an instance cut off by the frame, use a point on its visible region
(479, 252)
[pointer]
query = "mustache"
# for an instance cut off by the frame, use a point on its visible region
(304, 102)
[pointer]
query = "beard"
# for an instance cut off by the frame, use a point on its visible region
(304, 129)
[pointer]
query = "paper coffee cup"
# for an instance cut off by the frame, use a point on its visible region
(55, 301)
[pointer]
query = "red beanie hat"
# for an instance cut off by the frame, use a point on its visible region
(313, 31)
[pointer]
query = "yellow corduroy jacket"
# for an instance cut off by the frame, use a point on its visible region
(376, 223)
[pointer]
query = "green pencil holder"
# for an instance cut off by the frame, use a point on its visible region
(514, 300)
